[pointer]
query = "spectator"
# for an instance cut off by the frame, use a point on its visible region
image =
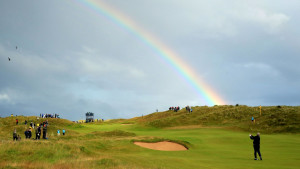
(26, 133)
(15, 136)
(45, 131)
(29, 133)
(38, 132)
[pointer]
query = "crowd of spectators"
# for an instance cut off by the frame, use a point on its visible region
(49, 115)
(40, 129)
(174, 108)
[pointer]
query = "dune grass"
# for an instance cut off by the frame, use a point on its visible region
(274, 119)
(110, 145)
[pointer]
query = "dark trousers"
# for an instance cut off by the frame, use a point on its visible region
(37, 136)
(15, 138)
(44, 134)
(256, 150)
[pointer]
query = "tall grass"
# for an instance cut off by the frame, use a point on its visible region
(273, 118)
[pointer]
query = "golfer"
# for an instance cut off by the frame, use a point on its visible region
(256, 145)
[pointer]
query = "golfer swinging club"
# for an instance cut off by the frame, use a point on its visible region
(256, 145)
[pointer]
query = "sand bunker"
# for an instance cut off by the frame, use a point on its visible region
(163, 146)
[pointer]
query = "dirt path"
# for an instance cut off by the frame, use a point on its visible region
(163, 146)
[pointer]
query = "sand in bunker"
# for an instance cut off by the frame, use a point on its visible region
(164, 146)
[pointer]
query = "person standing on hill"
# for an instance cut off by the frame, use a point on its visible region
(253, 120)
(256, 145)
(45, 131)
(58, 132)
(29, 132)
(15, 136)
(38, 132)
(26, 133)
(64, 131)
(17, 121)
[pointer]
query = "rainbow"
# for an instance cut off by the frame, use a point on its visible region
(168, 55)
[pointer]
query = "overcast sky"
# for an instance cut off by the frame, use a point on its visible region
(71, 60)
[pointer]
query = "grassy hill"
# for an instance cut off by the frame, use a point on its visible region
(8, 125)
(274, 119)
(110, 144)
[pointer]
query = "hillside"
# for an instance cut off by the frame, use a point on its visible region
(274, 119)
(8, 124)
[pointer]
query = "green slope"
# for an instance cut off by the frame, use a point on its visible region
(8, 125)
(274, 119)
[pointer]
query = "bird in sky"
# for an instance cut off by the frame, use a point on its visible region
(8, 58)
(16, 47)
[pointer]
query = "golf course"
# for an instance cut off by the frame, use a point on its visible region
(214, 137)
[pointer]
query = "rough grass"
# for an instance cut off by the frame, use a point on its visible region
(274, 119)
(116, 133)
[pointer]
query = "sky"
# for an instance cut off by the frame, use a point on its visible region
(68, 57)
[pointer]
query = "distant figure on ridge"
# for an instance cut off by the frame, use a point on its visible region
(256, 145)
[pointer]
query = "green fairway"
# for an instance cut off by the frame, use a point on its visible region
(110, 145)
(217, 148)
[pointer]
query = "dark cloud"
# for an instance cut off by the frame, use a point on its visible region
(71, 60)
